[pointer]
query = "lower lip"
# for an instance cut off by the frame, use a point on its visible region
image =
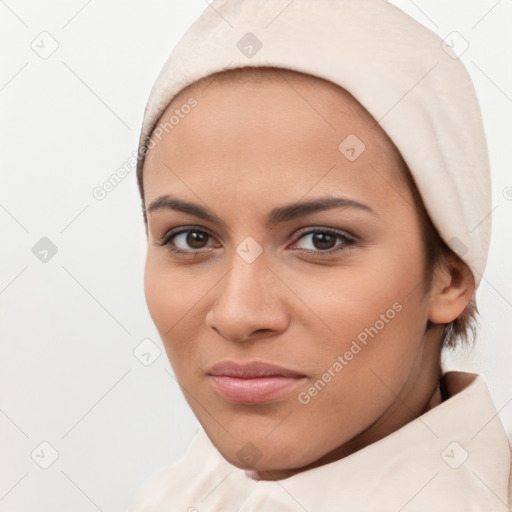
(255, 390)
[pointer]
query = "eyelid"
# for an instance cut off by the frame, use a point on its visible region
(324, 229)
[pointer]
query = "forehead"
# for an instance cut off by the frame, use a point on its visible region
(270, 94)
(252, 120)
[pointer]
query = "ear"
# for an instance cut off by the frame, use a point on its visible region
(451, 291)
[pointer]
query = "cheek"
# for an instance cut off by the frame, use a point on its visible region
(375, 314)
(360, 371)
(173, 301)
(364, 293)
(158, 286)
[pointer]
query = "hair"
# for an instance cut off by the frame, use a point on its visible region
(463, 329)
(460, 331)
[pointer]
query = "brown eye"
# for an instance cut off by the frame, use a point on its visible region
(196, 239)
(325, 241)
(188, 240)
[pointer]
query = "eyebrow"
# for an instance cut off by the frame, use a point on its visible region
(276, 216)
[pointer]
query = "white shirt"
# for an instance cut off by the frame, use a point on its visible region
(455, 457)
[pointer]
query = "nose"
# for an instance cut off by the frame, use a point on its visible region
(250, 302)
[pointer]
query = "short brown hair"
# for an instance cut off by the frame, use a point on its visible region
(462, 330)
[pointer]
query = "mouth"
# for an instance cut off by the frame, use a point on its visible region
(252, 383)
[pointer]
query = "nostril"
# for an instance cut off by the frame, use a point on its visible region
(262, 330)
(259, 331)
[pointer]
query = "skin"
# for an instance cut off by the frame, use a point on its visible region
(289, 308)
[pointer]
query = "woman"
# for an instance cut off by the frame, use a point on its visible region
(311, 176)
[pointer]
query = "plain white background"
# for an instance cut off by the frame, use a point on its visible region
(70, 324)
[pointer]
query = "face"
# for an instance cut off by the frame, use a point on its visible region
(333, 297)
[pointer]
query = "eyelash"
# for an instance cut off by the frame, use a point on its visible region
(348, 241)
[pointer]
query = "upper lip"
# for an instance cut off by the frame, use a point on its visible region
(251, 369)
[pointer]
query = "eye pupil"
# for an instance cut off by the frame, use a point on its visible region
(320, 239)
(196, 237)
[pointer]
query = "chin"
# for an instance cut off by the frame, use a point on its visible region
(261, 455)
(276, 463)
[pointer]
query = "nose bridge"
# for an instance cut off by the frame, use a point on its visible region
(248, 262)
(245, 282)
(246, 300)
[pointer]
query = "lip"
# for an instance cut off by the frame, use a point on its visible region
(253, 382)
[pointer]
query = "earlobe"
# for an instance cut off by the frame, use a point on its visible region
(453, 288)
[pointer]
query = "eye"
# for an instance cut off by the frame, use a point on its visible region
(187, 240)
(193, 240)
(323, 241)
